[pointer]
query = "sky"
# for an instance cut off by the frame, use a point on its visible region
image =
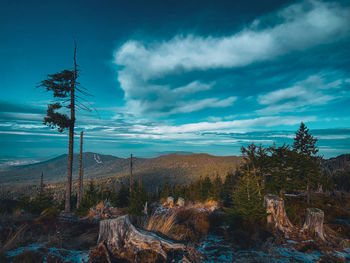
(167, 76)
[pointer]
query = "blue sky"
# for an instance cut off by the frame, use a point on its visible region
(196, 76)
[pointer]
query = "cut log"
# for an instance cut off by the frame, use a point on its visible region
(123, 240)
(277, 215)
(314, 223)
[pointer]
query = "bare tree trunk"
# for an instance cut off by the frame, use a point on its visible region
(308, 193)
(130, 180)
(41, 182)
(67, 207)
(80, 182)
(314, 222)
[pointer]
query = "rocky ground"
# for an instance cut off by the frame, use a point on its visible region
(199, 226)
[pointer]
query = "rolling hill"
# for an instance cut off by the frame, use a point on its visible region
(174, 168)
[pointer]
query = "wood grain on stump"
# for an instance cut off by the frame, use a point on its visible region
(314, 222)
(277, 215)
(124, 240)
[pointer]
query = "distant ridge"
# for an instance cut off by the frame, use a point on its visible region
(176, 168)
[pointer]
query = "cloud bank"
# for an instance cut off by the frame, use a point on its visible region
(298, 27)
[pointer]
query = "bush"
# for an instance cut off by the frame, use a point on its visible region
(51, 211)
(40, 202)
(89, 200)
(137, 200)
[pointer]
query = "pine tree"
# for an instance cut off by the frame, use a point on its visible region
(308, 164)
(281, 170)
(90, 199)
(215, 193)
(246, 203)
(64, 87)
(304, 142)
(138, 197)
(123, 196)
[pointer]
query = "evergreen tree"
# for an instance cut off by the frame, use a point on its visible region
(304, 142)
(206, 186)
(165, 192)
(123, 196)
(228, 187)
(138, 198)
(246, 203)
(308, 164)
(215, 193)
(281, 170)
(90, 199)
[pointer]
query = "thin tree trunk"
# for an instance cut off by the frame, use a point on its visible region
(71, 137)
(80, 183)
(130, 181)
(41, 183)
(308, 193)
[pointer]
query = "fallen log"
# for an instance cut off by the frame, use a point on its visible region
(277, 215)
(123, 240)
(314, 223)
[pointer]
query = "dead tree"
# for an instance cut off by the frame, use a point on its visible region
(123, 240)
(66, 92)
(313, 224)
(41, 182)
(67, 207)
(277, 215)
(130, 179)
(80, 180)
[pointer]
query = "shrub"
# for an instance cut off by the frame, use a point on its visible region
(89, 200)
(51, 211)
(39, 203)
(137, 200)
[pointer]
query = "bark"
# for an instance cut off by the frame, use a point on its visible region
(42, 182)
(308, 193)
(67, 207)
(123, 240)
(130, 179)
(314, 222)
(80, 182)
(277, 215)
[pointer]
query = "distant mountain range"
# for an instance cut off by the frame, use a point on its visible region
(174, 168)
(340, 163)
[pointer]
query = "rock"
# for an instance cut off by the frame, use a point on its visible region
(314, 223)
(180, 202)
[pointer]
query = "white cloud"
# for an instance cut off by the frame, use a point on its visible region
(232, 126)
(301, 26)
(313, 91)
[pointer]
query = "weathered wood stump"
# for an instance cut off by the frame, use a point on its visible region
(180, 202)
(123, 240)
(314, 223)
(277, 215)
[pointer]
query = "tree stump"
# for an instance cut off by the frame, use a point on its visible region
(123, 240)
(277, 215)
(314, 223)
(180, 202)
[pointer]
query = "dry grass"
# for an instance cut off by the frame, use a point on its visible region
(183, 223)
(163, 223)
(14, 238)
